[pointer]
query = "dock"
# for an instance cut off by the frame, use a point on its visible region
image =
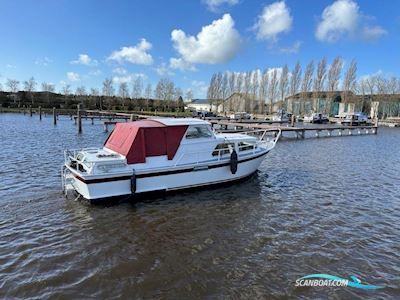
(296, 132)
(221, 124)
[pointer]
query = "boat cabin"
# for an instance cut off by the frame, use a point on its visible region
(159, 143)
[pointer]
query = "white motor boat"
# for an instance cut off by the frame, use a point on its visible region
(315, 118)
(358, 118)
(163, 154)
(282, 116)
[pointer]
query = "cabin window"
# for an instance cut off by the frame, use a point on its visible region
(222, 149)
(195, 132)
(244, 146)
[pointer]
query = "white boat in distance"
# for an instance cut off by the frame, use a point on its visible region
(162, 154)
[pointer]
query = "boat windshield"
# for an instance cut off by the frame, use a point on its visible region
(198, 131)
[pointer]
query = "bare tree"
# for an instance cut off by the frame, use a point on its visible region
(218, 88)
(247, 83)
(349, 82)
(212, 89)
(255, 84)
(94, 92)
(381, 85)
(263, 90)
(295, 79)
(123, 91)
(319, 83)
(224, 89)
(371, 83)
(240, 82)
(13, 85)
(334, 74)
(48, 88)
(148, 91)
(263, 85)
(177, 93)
(393, 85)
(306, 84)
(307, 78)
(333, 80)
(66, 90)
(108, 87)
(164, 89)
(231, 83)
(273, 88)
(30, 87)
(108, 91)
(80, 91)
(189, 94)
(137, 88)
(283, 83)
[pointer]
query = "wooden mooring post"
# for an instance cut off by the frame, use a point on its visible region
(54, 116)
(79, 119)
(292, 121)
(40, 113)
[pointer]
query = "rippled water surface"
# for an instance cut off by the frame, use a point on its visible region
(328, 205)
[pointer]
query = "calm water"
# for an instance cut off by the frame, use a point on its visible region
(327, 205)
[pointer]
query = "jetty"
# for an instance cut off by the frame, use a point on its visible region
(296, 132)
(220, 123)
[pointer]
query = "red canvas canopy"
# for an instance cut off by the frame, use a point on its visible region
(141, 139)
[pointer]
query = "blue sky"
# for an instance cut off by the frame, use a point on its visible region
(83, 42)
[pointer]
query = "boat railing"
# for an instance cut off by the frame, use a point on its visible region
(71, 157)
(263, 135)
(218, 154)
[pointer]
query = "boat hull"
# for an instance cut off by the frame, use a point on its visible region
(167, 180)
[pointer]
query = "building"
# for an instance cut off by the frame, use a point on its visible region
(199, 105)
(241, 102)
(339, 103)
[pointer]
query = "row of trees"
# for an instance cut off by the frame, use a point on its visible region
(276, 84)
(110, 95)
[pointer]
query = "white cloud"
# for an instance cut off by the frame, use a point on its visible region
(373, 32)
(45, 61)
(128, 77)
(85, 59)
(293, 49)
(213, 5)
(120, 71)
(215, 43)
(275, 19)
(343, 18)
(11, 66)
(96, 72)
(369, 76)
(72, 76)
(135, 55)
(163, 70)
(199, 87)
(180, 64)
